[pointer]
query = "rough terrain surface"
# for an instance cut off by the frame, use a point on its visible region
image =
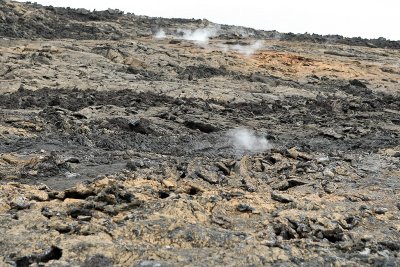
(119, 149)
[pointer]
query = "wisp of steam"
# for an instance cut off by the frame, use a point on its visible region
(160, 34)
(245, 140)
(246, 50)
(200, 36)
(249, 50)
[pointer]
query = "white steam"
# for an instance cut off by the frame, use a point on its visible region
(249, 50)
(202, 37)
(160, 34)
(199, 36)
(245, 49)
(246, 140)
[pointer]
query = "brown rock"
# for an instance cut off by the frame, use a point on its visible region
(284, 198)
(11, 159)
(293, 153)
(38, 195)
(169, 183)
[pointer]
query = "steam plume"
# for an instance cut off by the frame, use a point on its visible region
(246, 140)
(160, 34)
(249, 50)
(200, 36)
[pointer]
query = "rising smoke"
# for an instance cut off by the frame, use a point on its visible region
(245, 140)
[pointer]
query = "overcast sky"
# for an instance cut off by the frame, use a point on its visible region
(365, 18)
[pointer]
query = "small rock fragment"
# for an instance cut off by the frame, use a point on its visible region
(305, 156)
(71, 175)
(284, 198)
(11, 159)
(276, 157)
(283, 185)
(169, 183)
(72, 160)
(357, 83)
(141, 126)
(207, 176)
(381, 210)
(365, 252)
(293, 153)
(331, 133)
(53, 253)
(322, 159)
(245, 208)
(329, 187)
(133, 165)
(84, 218)
(221, 166)
(60, 226)
(385, 253)
(38, 195)
(201, 126)
(366, 238)
(20, 203)
(328, 173)
(80, 191)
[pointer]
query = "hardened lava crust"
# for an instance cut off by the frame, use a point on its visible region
(127, 140)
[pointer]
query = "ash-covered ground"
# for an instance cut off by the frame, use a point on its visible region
(134, 141)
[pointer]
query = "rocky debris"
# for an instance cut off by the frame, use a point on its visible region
(54, 253)
(115, 147)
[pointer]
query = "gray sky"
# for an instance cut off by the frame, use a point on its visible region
(365, 18)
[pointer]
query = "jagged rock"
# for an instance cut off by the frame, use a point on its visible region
(223, 168)
(329, 173)
(284, 198)
(199, 125)
(381, 210)
(245, 208)
(169, 183)
(20, 203)
(53, 253)
(293, 152)
(357, 83)
(136, 164)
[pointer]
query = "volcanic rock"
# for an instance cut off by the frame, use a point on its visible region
(118, 148)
